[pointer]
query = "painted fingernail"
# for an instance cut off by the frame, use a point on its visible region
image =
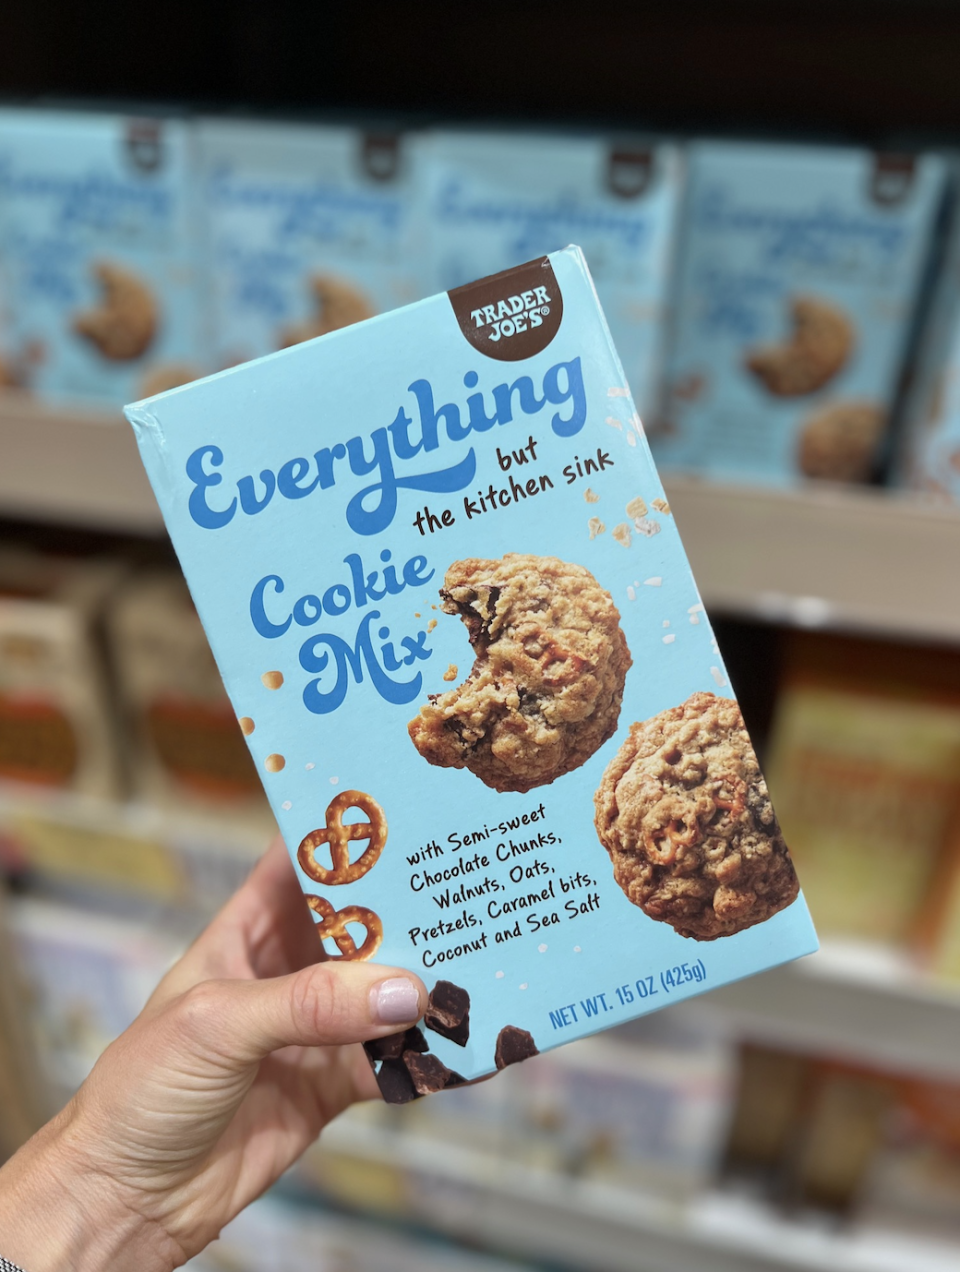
(394, 1001)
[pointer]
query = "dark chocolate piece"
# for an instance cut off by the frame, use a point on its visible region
(514, 1045)
(396, 1085)
(448, 1012)
(428, 1073)
(394, 1045)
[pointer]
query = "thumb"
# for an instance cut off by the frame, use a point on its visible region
(325, 1004)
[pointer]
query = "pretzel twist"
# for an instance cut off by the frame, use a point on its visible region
(333, 923)
(338, 838)
(664, 842)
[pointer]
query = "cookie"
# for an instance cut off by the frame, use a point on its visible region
(820, 344)
(337, 304)
(546, 685)
(123, 325)
(839, 442)
(684, 814)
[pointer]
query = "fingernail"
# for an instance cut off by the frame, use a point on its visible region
(395, 1000)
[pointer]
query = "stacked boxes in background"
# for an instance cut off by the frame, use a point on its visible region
(187, 751)
(865, 768)
(494, 200)
(799, 278)
(309, 229)
(56, 729)
(100, 252)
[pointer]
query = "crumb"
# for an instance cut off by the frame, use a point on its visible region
(431, 625)
(451, 672)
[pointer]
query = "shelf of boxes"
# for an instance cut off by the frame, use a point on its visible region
(823, 556)
(83, 844)
(583, 1223)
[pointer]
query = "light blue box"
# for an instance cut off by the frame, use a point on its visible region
(494, 200)
(317, 581)
(88, 202)
(767, 228)
(294, 209)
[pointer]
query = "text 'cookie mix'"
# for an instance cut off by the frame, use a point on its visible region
(452, 611)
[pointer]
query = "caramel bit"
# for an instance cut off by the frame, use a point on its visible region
(595, 526)
(451, 672)
(431, 625)
(274, 763)
(272, 679)
(591, 496)
(622, 534)
(636, 508)
(246, 726)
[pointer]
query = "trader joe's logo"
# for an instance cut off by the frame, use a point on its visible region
(513, 315)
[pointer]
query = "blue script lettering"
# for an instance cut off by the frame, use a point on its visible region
(350, 660)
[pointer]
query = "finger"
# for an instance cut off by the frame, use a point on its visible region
(242, 1021)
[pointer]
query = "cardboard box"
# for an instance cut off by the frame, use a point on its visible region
(309, 228)
(799, 274)
(187, 751)
(493, 200)
(101, 266)
(865, 768)
(56, 724)
(483, 445)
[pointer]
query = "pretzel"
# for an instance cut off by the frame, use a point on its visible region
(333, 923)
(338, 837)
(663, 843)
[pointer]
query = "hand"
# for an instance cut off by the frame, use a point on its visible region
(245, 1052)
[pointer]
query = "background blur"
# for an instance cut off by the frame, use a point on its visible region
(766, 194)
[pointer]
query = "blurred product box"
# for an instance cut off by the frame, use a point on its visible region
(101, 271)
(276, 1236)
(765, 1108)
(928, 458)
(84, 978)
(865, 769)
(187, 751)
(938, 931)
(309, 228)
(800, 270)
(56, 729)
(494, 200)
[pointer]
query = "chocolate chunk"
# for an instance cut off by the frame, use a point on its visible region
(448, 1012)
(514, 1045)
(394, 1045)
(429, 1074)
(396, 1085)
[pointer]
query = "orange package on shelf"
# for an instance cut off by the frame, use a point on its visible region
(865, 770)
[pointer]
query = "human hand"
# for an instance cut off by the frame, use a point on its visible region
(244, 1053)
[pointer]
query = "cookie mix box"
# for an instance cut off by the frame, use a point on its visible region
(101, 268)
(310, 228)
(800, 268)
(494, 200)
(454, 616)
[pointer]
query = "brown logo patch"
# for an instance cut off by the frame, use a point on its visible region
(512, 315)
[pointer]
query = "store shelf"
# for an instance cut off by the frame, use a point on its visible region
(821, 557)
(866, 1003)
(128, 850)
(596, 1225)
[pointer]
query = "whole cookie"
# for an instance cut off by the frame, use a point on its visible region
(839, 442)
(337, 304)
(124, 323)
(684, 813)
(819, 346)
(547, 682)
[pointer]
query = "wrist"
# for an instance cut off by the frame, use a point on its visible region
(57, 1211)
